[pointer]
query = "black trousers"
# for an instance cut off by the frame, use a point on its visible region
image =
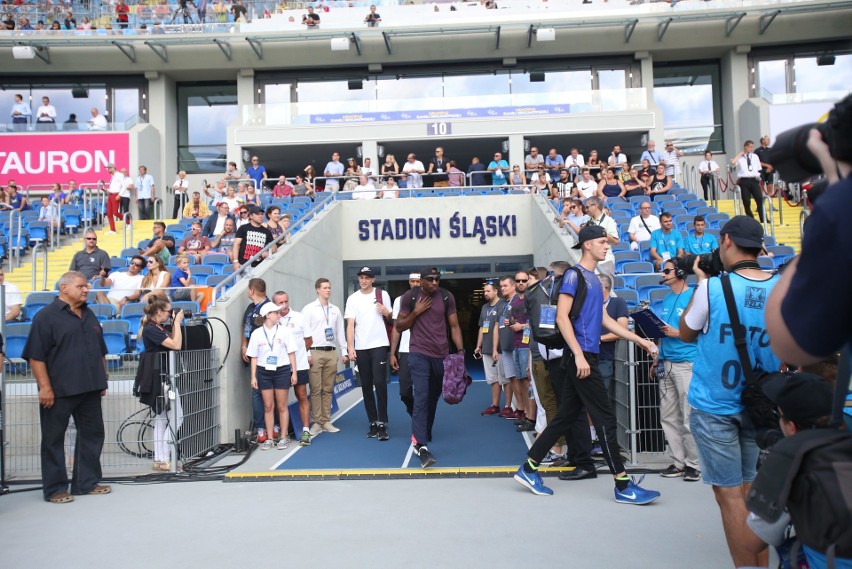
(177, 211)
(144, 206)
(750, 188)
(124, 205)
(578, 438)
(373, 372)
(706, 181)
(427, 375)
(88, 416)
(406, 387)
(577, 393)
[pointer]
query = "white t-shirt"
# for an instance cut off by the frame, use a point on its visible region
(367, 192)
(570, 161)
(638, 229)
(370, 331)
(125, 187)
(405, 337)
(13, 296)
(233, 204)
(123, 284)
(611, 228)
(276, 342)
(116, 183)
(618, 160)
(413, 170)
(295, 324)
(587, 189)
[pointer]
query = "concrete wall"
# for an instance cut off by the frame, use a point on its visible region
(549, 243)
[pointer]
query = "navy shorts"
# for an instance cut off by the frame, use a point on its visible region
(303, 376)
(278, 379)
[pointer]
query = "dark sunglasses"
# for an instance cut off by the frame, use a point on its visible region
(137, 265)
(667, 271)
(91, 238)
(432, 279)
(150, 262)
(522, 280)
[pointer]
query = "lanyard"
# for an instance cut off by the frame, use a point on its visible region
(326, 310)
(271, 344)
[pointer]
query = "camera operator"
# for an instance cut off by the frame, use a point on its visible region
(723, 433)
(822, 274)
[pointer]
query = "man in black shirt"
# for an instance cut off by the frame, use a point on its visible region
(251, 238)
(67, 353)
(162, 244)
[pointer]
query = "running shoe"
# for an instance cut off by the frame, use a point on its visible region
(305, 439)
(635, 494)
(493, 410)
(672, 472)
(330, 428)
(283, 442)
(374, 431)
(507, 413)
(383, 432)
(551, 458)
(426, 458)
(533, 481)
(525, 426)
(266, 445)
(691, 474)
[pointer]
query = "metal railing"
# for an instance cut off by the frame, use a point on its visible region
(636, 404)
(157, 208)
(128, 228)
(40, 248)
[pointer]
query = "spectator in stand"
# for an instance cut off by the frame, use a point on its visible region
(16, 200)
(251, 196)
(541, 182)
(145, 189)
(533, 160)
(311, 20)
(455, 177)
(196, 209)
(390, 191)
(156, 280)
(651, 155)
(257, 173)
(707, 168)
(234, 202)
(282, 189)
(216, 195)
(71, 123)
(554, 163)
(402, 181)
(610, 187)
(49, 212)
(390, 167)
(573, 217)
(251, 238)
(414, 169)
(617, 159)
(437, 176)
(182, 281)
(642, 226)
(564, 186)
(666, 242)
(181, 188)
(332, 170)
(127, 189)
(595, 165)
(671, 158)
(498, 168)
(748, 178)
(660, 183)
(46, 116)
(98, 121)
(91, 261)
(113, 197)
(368, 170)
(586, 185)
(215, 224)
(122, 14)
(373, 19)
(302, 187)
(124, 286)
(276, 224)
(518, 180)
(698, 242)
(232, 173)
(224, 242)
(239, 12)
(634, 185)
(476, 170)
(241, 217)
(13, 300)
(646, 171)
(56, 195)
(21, 112)
(195, 243)
(575, 163)
(365, 190)
(353, 170)
(594, 208)
(161, 244)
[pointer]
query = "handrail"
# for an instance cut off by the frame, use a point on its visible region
(55, 227)
(247, 266)
(13, 241)
(714, 189)
(157, 203)
(128, 225)
(43, 249)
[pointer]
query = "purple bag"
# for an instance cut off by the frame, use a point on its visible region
(456, 379)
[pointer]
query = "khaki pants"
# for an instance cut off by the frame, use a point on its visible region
(674, 413)
(323, 372)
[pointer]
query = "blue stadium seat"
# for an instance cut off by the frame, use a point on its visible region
(133, 313)
(72, 219)
(658, 294)
(629, 296)
(186, 305)
(215, 260)
(213, 280)
(766, 263)
(36, 301)
(38, 231)
(677, 190)
(637, 267)
(117, 262)
(769, 241)
(716, 220)
(18, 328)
(675, 211)
(621, 206)
(623, 257)
(782, 253)
(645, 250)
(644, 284)
(620, 246)
(128, 253)
(173, 260)
(227, 269)
(103, 311)
(619, 282)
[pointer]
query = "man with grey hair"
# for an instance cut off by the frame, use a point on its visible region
(594, 208)
(67, 353)
(91, 261)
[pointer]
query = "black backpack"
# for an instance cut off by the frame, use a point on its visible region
(544, 292)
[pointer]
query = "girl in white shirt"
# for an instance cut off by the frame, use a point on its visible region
(272, 352)
(707, 168)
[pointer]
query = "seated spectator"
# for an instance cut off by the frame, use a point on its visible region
(251, 196)
(196, 209)
(594, 165)
(554, 162)
(242, 216)
(224, 242)
(14, 199)
(182, 280)
(214, 224)
(575, 164)
(642, 226)
(373, 19)
(56, 195)
(573, 218)
(617, 160)
(541, 181)
(161, 245)
(390, 191)
(124, 286)
(586, 185)
(660, 183)
(390, 167)
(476, 170)
(75, 194)
(666, 242)
(564, 186)
(455, 177)
(498, 168)
(195, 244)
(610, 187)
(282, 189)
(302, 187)
(518, 180)
(311, 20)
(275, 223)
(634, 185)
(92, 260)
(365, 190)
(156, 280)
(49, 212)
(402, 181)
(13, 298)
(597, 216)
(698, 242)
(234, 202)
(646, 171)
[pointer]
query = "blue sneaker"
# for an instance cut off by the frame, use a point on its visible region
(635, 494)
(533, 481)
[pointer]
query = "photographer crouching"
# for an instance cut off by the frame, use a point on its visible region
(732, 342)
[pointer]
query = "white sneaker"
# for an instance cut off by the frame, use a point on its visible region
(110, 233)
(315, 429)
(330, 428)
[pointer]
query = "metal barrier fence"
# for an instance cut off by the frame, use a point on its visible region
(637, 402)
(129, 425)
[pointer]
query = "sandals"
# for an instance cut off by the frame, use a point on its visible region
(165, 467)
(100, 489)
(61, 498)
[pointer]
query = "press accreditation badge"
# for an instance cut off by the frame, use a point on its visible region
(329, 334)
(486, 326)
(547, 317)
(271, 363)
(526, 338)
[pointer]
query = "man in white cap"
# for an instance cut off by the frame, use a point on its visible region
(400, 362)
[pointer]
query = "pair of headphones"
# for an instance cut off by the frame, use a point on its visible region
(678, 272)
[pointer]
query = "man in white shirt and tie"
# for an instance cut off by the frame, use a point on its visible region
(748, 178)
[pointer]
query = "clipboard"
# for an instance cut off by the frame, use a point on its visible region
(650, 323)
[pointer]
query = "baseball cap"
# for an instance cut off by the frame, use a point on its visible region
(745, 231)
(254, 209)
(414, 276)
(430, 272)
(589, 233)
(110, 165)
(800, 396)
(269, 307)
(367, 271)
